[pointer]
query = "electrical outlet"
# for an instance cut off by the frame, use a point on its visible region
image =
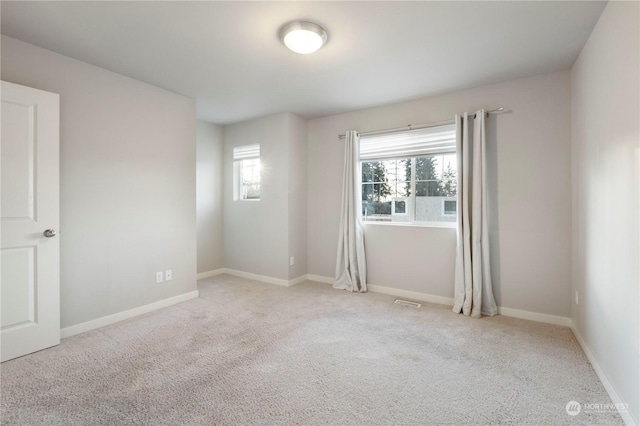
(159, 277)
(292, 261)
(576, 297)
(168, 275)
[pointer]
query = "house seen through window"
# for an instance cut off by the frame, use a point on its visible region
(246, 172)
(410, 176)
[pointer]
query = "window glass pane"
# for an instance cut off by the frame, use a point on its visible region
(449, 207)
(450, 162)
(429, 188)
(250, 179)
(436, 188)
(449, 175)
(246, 172)
(385, 188)
(428, 168)
(367, 171)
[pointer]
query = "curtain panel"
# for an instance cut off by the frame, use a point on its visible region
(473, 292)
(351, 265)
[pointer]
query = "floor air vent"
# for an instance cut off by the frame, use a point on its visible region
(407, 303)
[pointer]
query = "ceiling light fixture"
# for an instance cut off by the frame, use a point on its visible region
(303, 37)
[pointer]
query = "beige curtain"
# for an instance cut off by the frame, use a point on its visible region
(351, 265)
(473, 294)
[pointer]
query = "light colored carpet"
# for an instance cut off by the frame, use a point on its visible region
(252, 353)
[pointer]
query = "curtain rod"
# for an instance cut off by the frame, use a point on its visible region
(420, 126)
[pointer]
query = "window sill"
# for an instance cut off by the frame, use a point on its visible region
(452, 225)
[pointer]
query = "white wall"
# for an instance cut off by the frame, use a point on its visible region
(209, 186)
(127, 173)
(261, 236)
(606, 185)
(256, 232)
(297, 195)
(530, 196)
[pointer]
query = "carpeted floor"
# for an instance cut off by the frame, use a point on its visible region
(249, 353)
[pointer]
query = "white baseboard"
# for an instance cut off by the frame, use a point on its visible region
(535, 316)
(300, 279)
(265, 278)
(608, 386)
(424, 297)
(120, 316)
(212, 273)
(320, 279)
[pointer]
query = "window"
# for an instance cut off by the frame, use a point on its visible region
(449, 207)
(399, 206)
(410, 176)
(246, 172)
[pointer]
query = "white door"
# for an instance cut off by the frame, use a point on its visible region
(30, 286)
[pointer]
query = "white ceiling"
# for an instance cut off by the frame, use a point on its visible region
(227, 55)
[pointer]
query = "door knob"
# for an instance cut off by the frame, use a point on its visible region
(49, 233)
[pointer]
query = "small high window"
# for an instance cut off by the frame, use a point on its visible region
(246, 172)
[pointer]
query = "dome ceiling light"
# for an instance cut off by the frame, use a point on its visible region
(303, 37)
